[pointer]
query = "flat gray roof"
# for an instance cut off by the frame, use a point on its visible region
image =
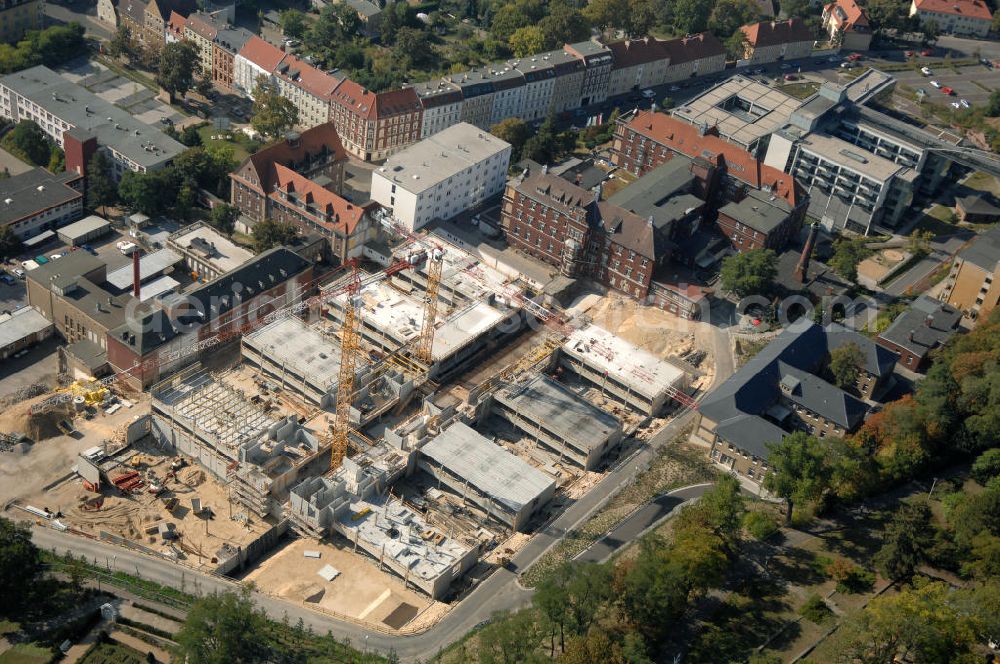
(115, 128)
(20, 324)
(211, 246)
(291, 343)
(850, 156)
(29, 193)
(756, 212)
(438, 157)
(563, 412)
(149, 265)
(85, 226)
(491, 469)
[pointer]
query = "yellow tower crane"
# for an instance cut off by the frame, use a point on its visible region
(425, 344)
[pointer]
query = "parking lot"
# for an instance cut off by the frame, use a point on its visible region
(133, 97)
(973, 83)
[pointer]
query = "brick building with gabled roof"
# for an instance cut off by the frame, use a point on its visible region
(771, 41)
(373, 126)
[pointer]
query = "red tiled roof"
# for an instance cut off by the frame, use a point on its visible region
(849, 15)
(309, 78)
(345, 215)
(396, 102)
(771, 33)
(971, 8)
(688, 140)
(630, 53)
(176, 24)
(262, 54)
(694, 47)
(311, 141)
(356, 98)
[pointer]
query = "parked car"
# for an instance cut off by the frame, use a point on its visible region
(648, 94)
(846, 65)
(54, 257)
(927, 52)
(936, 84)
(955, 104)
(19, 273)
(854, 57)
(791, 77)
(946, 90)
(926, 71)
(7, 279)
(909, 54)
(965, 103)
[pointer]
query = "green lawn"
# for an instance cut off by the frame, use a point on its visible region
(241, 145)
(27, 653)
(801, 90)
(8, 626)
(113, 653)
(982, 182)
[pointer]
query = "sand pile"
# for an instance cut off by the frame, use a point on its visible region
(649, 328)
(37, 426)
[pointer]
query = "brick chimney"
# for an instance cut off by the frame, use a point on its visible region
(136, 284)
(802, 269)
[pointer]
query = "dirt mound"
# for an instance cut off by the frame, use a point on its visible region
(649, 328)
(37, 426)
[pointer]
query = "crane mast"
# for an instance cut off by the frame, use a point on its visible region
(345, 382)
(425, 344)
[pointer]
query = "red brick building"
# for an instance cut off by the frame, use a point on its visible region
(373, 126)
(314, 153)
(758, 206)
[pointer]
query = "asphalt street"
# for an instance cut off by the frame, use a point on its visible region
(643, 519)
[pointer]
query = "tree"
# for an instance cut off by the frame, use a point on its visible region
(270, 233)
(20, 564)
(337, 24)
(273, 114)
(845, 363)
(57, 160)
(28, 141)
(101, 188)
(515, 131)
(293, 23)
(798, 472)
(148, 193)
(190, 136)
(796, 8)
(510, 639)
(729, 15)
(222, 629)
(564, 25)
(571, 597)
(736, 45)
(178, 61)
(641, 18)
(56, 44)
(691, 16)
(987, 466)
(847, 254)
(413, 46)
(603, 14)
(906, 541)
(750, 272)
(203, 85)
(121, 43)
(10, 243)
(223, 218)
(187, 197)
(527, 40)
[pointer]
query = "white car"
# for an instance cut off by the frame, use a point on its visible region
(955, 104)
(846, 65)
(965, 103)
(674, 88)
(55, 257)
(648, 94)
(926, 71)
(127, 247)
(19, 273)
(936, 84)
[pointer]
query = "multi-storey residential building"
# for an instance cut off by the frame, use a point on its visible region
(730, 177)
(569, 74)
(847, 21)
(972, 284)
(156, 15)
(305, 204)
(960, 17)
(539, 81)
(695, 55)
(80, 122)
(19, 16)
(37, 200)
(771, 41)
(107, 12)
(441, 103)
(132, 15)
(256, 59)
(637, 64)
(309, 88)
(374, 126)
(201, 30)
(175, 28)
(780, 390)
(228, 42)
(597, 70)
(508, 96)
(441, 176)
(315, 154)
(477, 90)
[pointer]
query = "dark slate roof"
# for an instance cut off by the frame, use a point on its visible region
(738, 405)
(757, 212)
(88, 353)
(32, 192)
(652, 194)
(925, 325)
(154, 327)
(984, 251)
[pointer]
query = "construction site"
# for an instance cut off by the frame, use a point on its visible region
(376, 451)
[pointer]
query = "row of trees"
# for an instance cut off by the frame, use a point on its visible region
(619, 613)
(27, 141)
(543, 146)
(51, 46)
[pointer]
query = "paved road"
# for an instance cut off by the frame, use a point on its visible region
(85, 15)
(640, 521)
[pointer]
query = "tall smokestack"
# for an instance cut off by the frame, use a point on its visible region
(135, 272)
(803, 266)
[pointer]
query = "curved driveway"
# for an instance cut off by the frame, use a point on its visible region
(498, 592)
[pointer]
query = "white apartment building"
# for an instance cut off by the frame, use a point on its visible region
(442, 105)
(442, 176)
(539, 80)
(959, 17)
(307, 87)
(508, 101)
